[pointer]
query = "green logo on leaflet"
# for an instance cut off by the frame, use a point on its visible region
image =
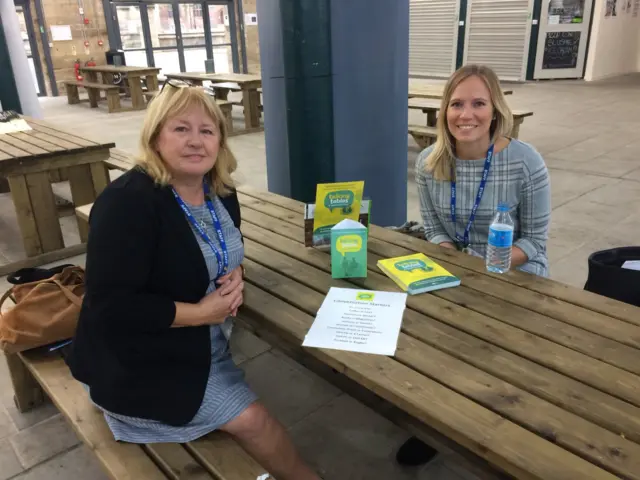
(342, 199)
(365, 296)
(411, 265)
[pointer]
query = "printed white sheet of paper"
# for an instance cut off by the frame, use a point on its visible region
(631, 264)
(358, 321)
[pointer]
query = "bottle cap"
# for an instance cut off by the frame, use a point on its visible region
(503, 207)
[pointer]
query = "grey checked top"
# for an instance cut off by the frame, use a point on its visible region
(518, 176)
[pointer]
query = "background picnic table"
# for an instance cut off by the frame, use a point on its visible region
(28, 159)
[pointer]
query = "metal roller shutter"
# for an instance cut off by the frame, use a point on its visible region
(433, 36)
(497, 35)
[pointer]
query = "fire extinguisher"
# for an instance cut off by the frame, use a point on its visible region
(76, 69)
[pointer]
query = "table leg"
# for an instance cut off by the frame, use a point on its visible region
(250, 100)
(100, 176)
(26, 217)
(27, 392)
(135, 87)
(221, 93)
(515, 131)
(91, 77)
(83, 192)
(107, 79)
(432, 118)
(152, 82)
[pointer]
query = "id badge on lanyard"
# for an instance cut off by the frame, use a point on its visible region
(221, 257)
(462, 242)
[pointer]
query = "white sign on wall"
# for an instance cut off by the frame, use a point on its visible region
(251, 19)
(60, 32)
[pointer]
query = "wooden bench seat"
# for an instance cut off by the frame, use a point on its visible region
(93, 89)
(423, 135)
(119, 160)
(148, 95)
(213, 457)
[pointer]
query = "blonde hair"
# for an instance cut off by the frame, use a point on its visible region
(172, 101)
(441, 161)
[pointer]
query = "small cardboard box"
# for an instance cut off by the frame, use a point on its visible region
(349, 250)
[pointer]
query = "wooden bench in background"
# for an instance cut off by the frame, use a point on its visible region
(94, 89)
(217, 456)
(423, 135)
(431, 108)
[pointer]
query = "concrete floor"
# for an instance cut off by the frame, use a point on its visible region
(589, 135)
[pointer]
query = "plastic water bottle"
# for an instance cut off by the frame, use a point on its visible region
(498, 258)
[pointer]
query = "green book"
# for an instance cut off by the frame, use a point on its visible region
(349, 250)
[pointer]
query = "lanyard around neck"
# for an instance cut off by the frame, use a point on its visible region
(464, 241)
(223, 258)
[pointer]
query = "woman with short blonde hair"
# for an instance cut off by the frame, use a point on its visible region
(164, 281)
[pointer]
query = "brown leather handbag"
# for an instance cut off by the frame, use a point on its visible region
(46, 310)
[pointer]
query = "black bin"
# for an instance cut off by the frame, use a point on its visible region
(115, 57)
(608, 278)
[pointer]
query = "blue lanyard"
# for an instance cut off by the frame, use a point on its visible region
(223, 260)
(483, 183)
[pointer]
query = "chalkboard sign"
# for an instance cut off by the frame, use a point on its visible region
(561, 50)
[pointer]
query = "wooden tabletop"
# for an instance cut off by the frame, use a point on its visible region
(434, 105)
(191, 76)
(120, 69)
(540, 379)
(44, 141)
(240, 79)
(434, 91)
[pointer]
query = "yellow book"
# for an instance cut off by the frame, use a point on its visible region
(417, 273)
(335, 202)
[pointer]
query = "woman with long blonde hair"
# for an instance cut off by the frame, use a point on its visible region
(473, 144)
(473, 167)
(163, 282)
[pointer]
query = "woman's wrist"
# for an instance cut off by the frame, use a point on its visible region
(189, 315)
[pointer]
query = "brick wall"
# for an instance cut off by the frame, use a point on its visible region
(64, 53)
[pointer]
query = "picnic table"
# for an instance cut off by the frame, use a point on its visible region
(434, 91)
(431, 107)
(223, 83)
(133, 77)
(26, 160)
(535, 378)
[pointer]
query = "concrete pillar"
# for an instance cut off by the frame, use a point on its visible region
(16, 66)
(335, 80)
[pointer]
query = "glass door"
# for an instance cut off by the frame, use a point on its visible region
(178, 36)
(30, 47)
(131, 34)
(164, 33)
(223, 38)
(193, 36)
(562, 42)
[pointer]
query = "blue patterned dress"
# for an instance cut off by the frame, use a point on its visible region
(227, 395)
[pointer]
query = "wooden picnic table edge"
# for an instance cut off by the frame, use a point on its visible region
(496, 430)
(51, 126)
(545, 286)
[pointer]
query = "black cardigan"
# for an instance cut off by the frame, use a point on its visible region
(141, 258)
